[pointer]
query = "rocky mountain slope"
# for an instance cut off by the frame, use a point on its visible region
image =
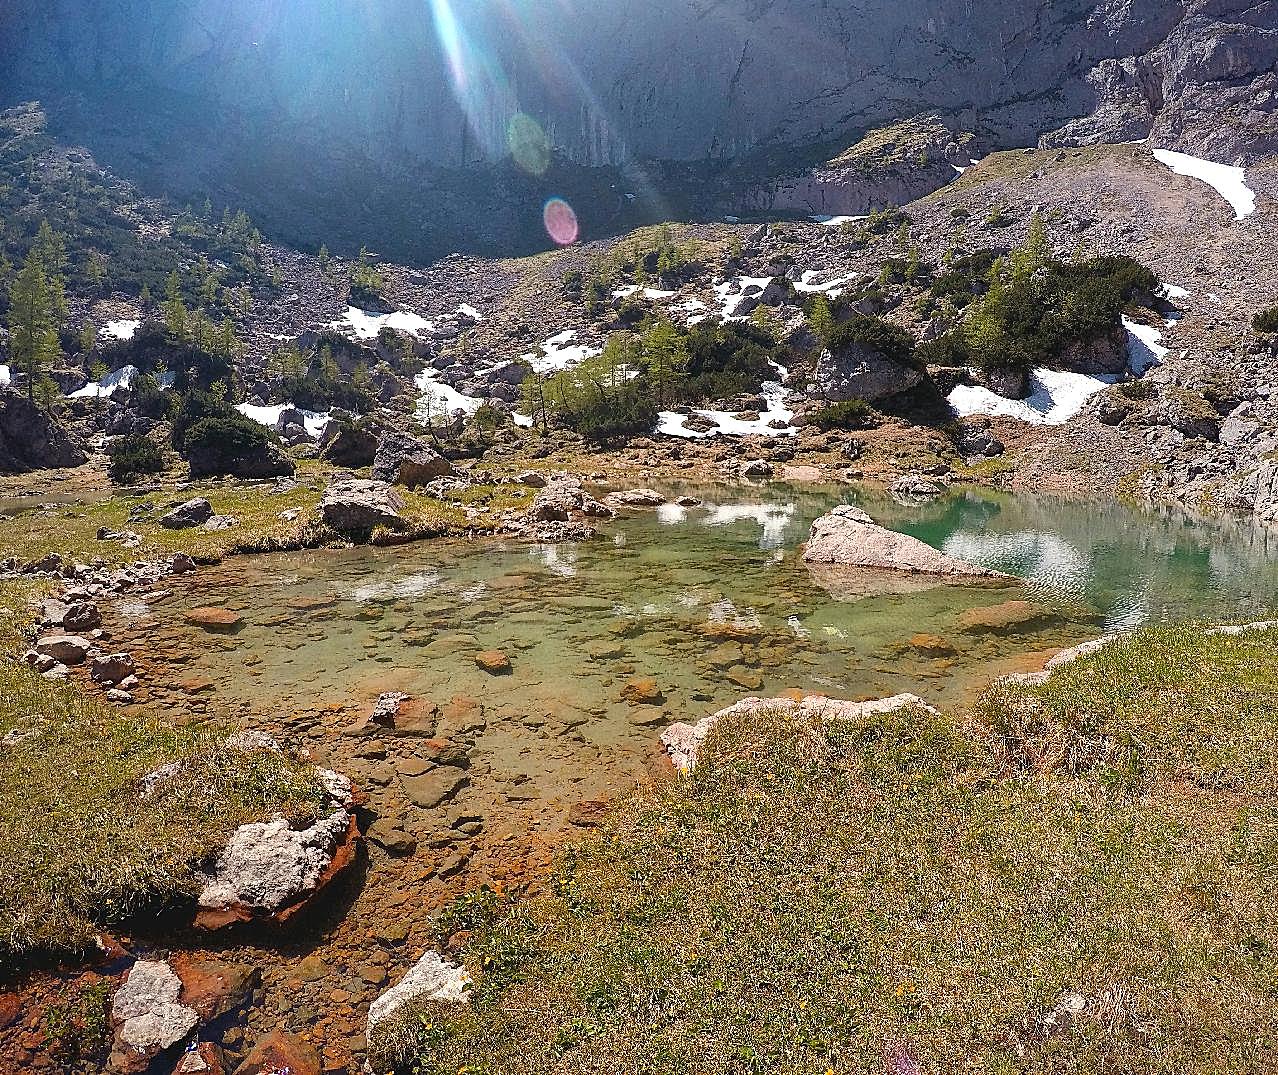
(210, 95)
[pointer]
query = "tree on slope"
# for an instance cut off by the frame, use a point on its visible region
(33, 321)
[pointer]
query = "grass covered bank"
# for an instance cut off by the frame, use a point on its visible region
(83, 839)
(1077, 877)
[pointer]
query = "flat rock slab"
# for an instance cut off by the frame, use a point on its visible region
(214, 619)
(433, 788)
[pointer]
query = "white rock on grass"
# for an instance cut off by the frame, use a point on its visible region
(147, 1010)
(432, 978)
(683, 742)
(68, 649)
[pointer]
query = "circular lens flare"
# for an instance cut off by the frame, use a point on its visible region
(560, 222)
(528, 144)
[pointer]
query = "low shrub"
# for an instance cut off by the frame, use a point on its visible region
(874, 334)
(848, 414)
(1266, 320)
(134, 456)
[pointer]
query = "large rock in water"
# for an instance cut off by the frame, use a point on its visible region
(31, 440)
(854, 372)
(402, 459)
(358, 505)
(269, 869)
(846, 544)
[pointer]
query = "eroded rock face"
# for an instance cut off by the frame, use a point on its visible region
(186, 516)
(31, 440)
(847, 537)
(855, 373)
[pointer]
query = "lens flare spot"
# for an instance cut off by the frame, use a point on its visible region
(560, 221)
(528, 144)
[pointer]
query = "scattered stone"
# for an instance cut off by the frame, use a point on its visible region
(434, 788)
(755, 468)
(635, 498)
(111, 669)
(186, 516)
(67, 649)
(494, 662)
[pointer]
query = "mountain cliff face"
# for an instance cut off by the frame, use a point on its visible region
(403, 84)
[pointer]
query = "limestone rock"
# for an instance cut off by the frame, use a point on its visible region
(431, 978)
(148, 1015)
(852, 372)
(358, 505)
(402, 459)
(214, 619)
(186, 516)
(270, 869)
(349, 445)
(683, 741)
(280, 1053)
(848, 537)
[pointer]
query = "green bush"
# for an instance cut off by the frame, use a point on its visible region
(133, 456)
(848, 414)
(949, 349)
(1266, 320)
(319, 390)
(226, 437)
(874, 334)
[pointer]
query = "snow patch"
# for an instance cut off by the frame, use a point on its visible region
(436, 396)
(1143, 347)
(269, 416)
(732, 293)
(367, 325)
(119, 330)
(834, 221)
(671, 423)
(1055, 398)
(470, 311)
(1228, 181)
(6, 377)
(121, 378)
(560, 353)
(809, 282)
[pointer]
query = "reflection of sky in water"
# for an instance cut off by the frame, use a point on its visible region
(558, 559)
(775, 520)
(416, 585)
(1044, 560)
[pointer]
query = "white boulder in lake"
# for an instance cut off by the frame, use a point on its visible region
(432, 978)
(848, 537)
(146, 1010)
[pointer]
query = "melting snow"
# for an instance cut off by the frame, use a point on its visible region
(733, 292)
(1228, 181)
(436, 395)
(671, 423)
(5, 376)
(470, 311)
(1055, 398)
(270, 416)
(560, 353)
(121, 378)
(834, 221)
(367, 325)
(1143, 347)
(648, 292)
(834, 288)
(1174, 293)
(119, 330)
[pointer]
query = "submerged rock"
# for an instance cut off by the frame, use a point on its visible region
(848, 537)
